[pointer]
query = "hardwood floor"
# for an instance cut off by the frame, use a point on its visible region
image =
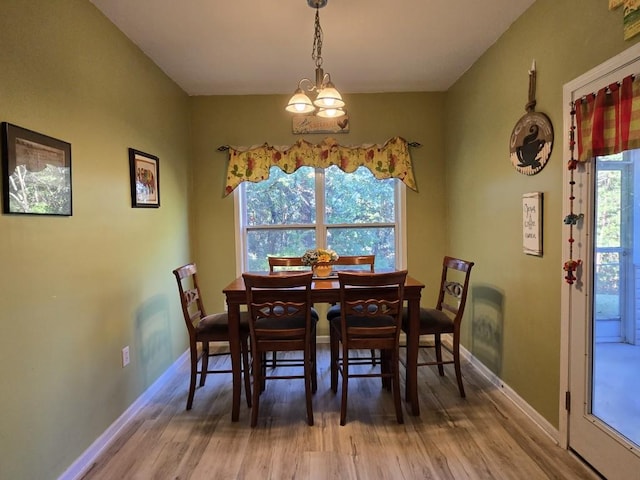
(481, 437)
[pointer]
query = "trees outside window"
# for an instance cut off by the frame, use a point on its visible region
(351, 213)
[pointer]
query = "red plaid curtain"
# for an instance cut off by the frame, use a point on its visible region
(609, 121)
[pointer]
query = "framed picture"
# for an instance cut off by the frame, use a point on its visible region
(145, 179)
(532, 223)
(36, 173)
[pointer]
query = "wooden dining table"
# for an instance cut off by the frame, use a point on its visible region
(325, 290)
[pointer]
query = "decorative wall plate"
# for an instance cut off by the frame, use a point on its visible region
(531, 143)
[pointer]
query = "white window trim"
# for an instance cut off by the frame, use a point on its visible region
(400, 213)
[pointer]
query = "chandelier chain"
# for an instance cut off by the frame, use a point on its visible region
(316, 54)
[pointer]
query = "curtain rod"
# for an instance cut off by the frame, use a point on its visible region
(606, 89)
(224, 148)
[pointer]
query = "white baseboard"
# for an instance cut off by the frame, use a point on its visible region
(516, 399)
(85, 461)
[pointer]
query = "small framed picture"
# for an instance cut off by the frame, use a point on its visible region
(145, 179)
(532, 223)
(36, 173)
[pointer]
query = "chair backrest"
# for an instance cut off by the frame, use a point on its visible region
(190, 298)
(356, 260)
(279, 298)
(286, 264)
(370, 295)
(454, 285)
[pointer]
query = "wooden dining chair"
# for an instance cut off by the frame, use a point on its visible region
(280, 320)
(288, 264)
(370, 318)
(203, 329)
(446, 316)
(366, 261)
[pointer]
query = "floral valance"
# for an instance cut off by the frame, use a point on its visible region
(391, 160)
(608, 121)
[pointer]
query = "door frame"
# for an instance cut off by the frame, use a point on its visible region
(614, 69)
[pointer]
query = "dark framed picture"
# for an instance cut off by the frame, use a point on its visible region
(36, 173)
(145, 179)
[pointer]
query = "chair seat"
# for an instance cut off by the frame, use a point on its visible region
(286, 323)
(219, 323)
(431, 320)
(354, 321)
(334, 311)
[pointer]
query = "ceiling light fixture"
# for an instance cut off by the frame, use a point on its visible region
(328, 100)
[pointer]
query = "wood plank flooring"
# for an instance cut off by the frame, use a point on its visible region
(481, 437)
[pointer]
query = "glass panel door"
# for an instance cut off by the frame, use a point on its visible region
(616, 356)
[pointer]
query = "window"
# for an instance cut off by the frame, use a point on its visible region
(351, 213)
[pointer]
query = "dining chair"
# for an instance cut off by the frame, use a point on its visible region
(280, 320)
(203, 329)
(446, 317)
(368, 261)
(370, 318)
(288, 264)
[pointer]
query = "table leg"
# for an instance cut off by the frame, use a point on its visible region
(413, 339)
(234, 347)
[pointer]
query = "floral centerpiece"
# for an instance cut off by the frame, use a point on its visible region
(320, 260)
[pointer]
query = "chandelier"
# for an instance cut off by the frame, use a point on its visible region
(328, 101)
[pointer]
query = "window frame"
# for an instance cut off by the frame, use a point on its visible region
(240, 228)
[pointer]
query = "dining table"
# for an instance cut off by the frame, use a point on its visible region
(325, 290)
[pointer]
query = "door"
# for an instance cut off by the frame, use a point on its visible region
(599, 310)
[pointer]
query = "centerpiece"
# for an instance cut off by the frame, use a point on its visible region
(320, 260)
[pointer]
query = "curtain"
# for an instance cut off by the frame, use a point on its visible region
(608, 121)
(391, 160)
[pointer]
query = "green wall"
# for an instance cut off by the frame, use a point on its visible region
(515, 307)
(373, 118)
(75, 290)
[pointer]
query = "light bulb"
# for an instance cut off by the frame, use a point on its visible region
(331, 112)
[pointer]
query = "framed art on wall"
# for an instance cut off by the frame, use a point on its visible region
(36, 173)
(145, 179)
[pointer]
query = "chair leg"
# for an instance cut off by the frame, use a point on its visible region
(258, 365)
(263, 371)
(205, 363)
(438, 343)
(194, 371)
(395, 367)
(274, 356)
(333, 341)
(314, 363)
(374, 359)
(385, 369)
(345, 386)
(246, 372)
(308, 380)
(456, 364)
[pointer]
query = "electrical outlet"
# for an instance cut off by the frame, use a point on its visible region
(125, 356)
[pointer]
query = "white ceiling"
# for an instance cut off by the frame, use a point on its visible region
(229, 47)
